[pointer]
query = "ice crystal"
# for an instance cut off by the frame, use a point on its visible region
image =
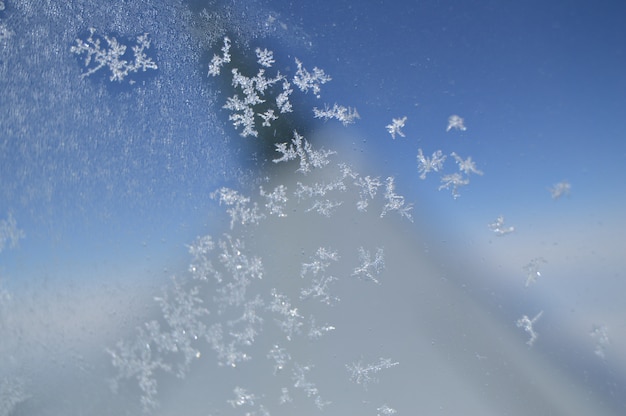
(280, 356)
(345, 115)
(10, 234)
(300, 382)
(560, 189)
(454, 181)
(455, 122)
(601, 334)
(527, 324)
(112, 57)
(267, 117)
(282, 99)
(316, 331)
(289, 321)
(301, 149)
(432, 164)
(396, 127)
(385, 410)
(466, 166)
(532, 270)
(320, 280)
(364, 373)
(370, 268)
(498, 227)
(276, 200)
(264, 57)
(395, 202)
(218, 61)
(368, 187)
(242, 398)
(306, 81)
(240, 209)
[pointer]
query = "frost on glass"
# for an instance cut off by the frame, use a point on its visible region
(396, 126)
(113, 56)
(527, 325)
(498, 227)
(560, 189)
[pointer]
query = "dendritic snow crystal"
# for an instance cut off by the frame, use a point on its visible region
(113, 56)
(364, 374)
(532, 270)
(527, 324)
(429, 164)
(560, 189)
(455, 122)
(498, 227)
(396, 127)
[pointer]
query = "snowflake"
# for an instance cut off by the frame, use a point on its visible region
(601, 334)
(454, 181)
(305, 80)
(301, 149)
(369, 269)
(395, 127)
(282, 99)
(218, 61)
(560, 189)
(532, 270)
(498, 227)
(267, 117)
(276, 200)
(264, 57)
(527, 324)
(242, 398)
(455, 122)
(240, 209)
(112, 56)
(346, 115)
(434, 163)
(385, 410)
(368, 187)
(466, 166)
(10, 235)
(363, 373)
(395, 202)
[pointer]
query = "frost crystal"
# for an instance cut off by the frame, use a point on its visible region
(309, 388)
(368, 187)
(242, 398)
(432, 164)
(282, 99)
(454, 181)
(395, 202)
(455, 122)
(112, 56)
(601, 334)
(346, 115)
(218, 61)
(370, 268)
(385, 410)
(306, 80)
(290, 321)
(395, 127)
(320, 282)
(364, 373)
(301, 149)
(10, 235)
(240, 209)
(498, 227)
(264, 57)
(532, 270)
(276, 200)
(466, 166)
(527, 324)
(280, 357)
(560, 189)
